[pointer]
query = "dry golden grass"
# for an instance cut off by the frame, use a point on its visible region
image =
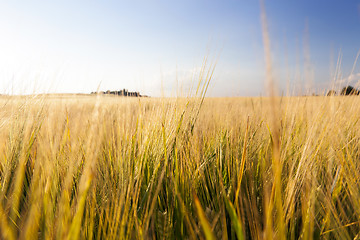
(109, 167)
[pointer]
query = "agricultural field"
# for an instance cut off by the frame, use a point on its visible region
(100, 167)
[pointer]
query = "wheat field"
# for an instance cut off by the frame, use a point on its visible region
(97, 167)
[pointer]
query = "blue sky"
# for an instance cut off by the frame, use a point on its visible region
(147, 46)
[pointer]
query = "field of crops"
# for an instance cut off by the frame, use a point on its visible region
(101, 167)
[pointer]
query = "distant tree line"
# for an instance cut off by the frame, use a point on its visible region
(123, 92)
(346, 91)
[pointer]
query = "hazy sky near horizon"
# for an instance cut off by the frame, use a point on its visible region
(79, 46)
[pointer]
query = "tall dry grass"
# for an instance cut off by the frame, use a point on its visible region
(119, 168)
